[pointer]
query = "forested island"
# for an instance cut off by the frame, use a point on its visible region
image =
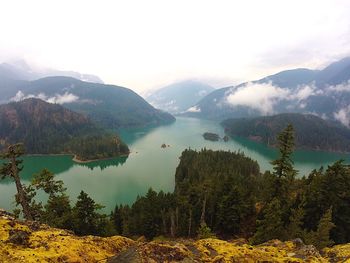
(46, 128)
(311, 132)
(211, 136)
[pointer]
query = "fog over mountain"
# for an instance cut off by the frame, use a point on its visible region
(325, 93)
(178, 97)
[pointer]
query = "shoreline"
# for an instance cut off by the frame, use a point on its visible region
(309, 149)
(74, 156)
(76, 160)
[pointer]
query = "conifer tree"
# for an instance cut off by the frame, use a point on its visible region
(294, 229)
(271, 225)
(228, 214)
(12, 168)
(283, 166)
(86, 219)
(323, 230)
(57, 210)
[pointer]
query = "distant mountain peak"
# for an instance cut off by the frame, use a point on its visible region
(179, 96)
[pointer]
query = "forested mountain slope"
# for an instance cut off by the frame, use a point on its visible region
(47, 128)
(311, 132)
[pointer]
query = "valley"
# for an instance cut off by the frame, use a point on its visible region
(148, 165)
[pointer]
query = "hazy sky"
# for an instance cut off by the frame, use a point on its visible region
(147, 44)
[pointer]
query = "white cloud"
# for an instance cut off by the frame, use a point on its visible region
(62, 99)
(264, 96)
(343, 115)
(303, 92)
(18, 97)
(343, 87)
(194, 109)
(259, 96)
(58, 98)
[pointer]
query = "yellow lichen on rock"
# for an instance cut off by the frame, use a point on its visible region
(54, 245)
(214, 250)
(26, 241)
(338, 253)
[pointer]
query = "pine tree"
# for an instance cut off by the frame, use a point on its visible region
(294, 229)
(85, 216)
(57, 210)
(323, 230)
(283, 167)
(12, 168)
(117, 219)
(228, 214)
(271, 225)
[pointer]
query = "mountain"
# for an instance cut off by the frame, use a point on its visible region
(109, 106)
(180, 96)
(325, 93)
(20, 70)
(311, 132)
(47, 128)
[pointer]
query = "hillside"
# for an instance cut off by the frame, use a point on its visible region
(180, 96)
(47, 128)
(25, 241)
(109, 106)
(323, 92)
(311, 132)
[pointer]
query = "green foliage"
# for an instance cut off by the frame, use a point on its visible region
(271, 224)
(85, 218)
(205, 232)
(295, 226)
(12, 168)
(330, 188)
(46, 128)
(283, 166)
(321, 237)
(311, 132)
(229, 212)
(45, 181)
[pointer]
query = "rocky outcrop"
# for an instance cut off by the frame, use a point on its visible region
(25, 241)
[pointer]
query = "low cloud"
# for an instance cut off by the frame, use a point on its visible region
(57, 99)
(303, 92)
(343, 115)
(259, 96)
(194, 109)
(343, 87)
(265, 96)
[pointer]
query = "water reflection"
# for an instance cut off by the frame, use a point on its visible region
(103, 164)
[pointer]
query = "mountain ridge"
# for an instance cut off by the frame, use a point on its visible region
(311, 132)
(323, 92)
(110, 106)
(46, 128)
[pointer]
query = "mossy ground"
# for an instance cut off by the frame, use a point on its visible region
(54, 245)
(40, 243)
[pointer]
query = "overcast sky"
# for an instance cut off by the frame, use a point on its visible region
(147, 44)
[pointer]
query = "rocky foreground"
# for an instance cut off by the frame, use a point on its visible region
(23, 241)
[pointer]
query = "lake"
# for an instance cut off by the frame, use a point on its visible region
(120, 180)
